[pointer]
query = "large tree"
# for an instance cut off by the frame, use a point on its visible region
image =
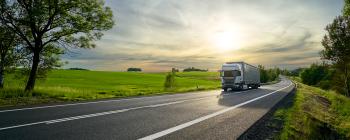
(8, 52)
(337, 49)
(44, 24)
(346, 10)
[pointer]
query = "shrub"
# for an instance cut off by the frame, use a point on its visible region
(315, 74)
(325, 84)
(296, 72)
(323, 76)
(169, 80)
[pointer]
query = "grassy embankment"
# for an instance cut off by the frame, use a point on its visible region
(74, 85)
(315, 114)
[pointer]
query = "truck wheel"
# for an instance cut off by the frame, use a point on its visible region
(256, 86)
(240, 87)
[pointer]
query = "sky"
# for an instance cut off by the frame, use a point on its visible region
(157, 35)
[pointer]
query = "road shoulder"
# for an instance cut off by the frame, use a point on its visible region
(269, 126)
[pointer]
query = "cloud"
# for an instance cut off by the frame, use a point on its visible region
(301, 44)
(158, 35)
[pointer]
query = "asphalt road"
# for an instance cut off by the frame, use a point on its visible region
(196, 115)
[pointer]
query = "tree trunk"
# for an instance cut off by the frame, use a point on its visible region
(33, 72)
(2, 70)
(346, 81)
(1, 77)
(348, 86)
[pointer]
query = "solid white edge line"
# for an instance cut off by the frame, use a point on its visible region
(101, 113)
(187, 124)
(22, 125)
(94, 102)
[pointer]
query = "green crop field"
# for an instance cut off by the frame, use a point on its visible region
(73, 85)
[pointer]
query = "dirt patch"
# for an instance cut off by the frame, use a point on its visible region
(324, 101)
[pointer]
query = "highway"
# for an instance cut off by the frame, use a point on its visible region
(197, 115)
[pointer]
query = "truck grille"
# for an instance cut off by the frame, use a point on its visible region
(229, 80)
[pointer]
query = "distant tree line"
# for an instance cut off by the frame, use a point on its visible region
(78, 69)
(269, 75)
(295, 72)
(134, 69)
(194, 69)
(174, 70)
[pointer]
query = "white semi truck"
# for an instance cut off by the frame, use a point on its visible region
(239, 75)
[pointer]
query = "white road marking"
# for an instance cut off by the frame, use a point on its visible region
(187, 124)
(100, 114)
(95, 102)
(109, 112)
(22, 125)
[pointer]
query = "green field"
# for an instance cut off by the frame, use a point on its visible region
(73, 85)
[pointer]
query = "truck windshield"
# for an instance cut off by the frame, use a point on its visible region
(230, 73)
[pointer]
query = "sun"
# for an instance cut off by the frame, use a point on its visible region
(226, 40)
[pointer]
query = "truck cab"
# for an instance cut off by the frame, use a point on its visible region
(231, 76)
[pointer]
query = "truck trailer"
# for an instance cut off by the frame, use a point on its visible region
(239, 75)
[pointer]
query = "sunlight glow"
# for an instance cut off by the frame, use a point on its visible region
(227, 40)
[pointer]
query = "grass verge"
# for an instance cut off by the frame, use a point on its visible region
(315, 114)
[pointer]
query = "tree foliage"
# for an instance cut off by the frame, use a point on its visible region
(268, 75)
(193, 69)
(83, 69)
(169, 80)
(337, 40)
(346, 10)
(134, 69)
(296, 72)
(49, 26)
(285, 72)
(337, 50)
(48, 61)
(317, 75)
(8, 52)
